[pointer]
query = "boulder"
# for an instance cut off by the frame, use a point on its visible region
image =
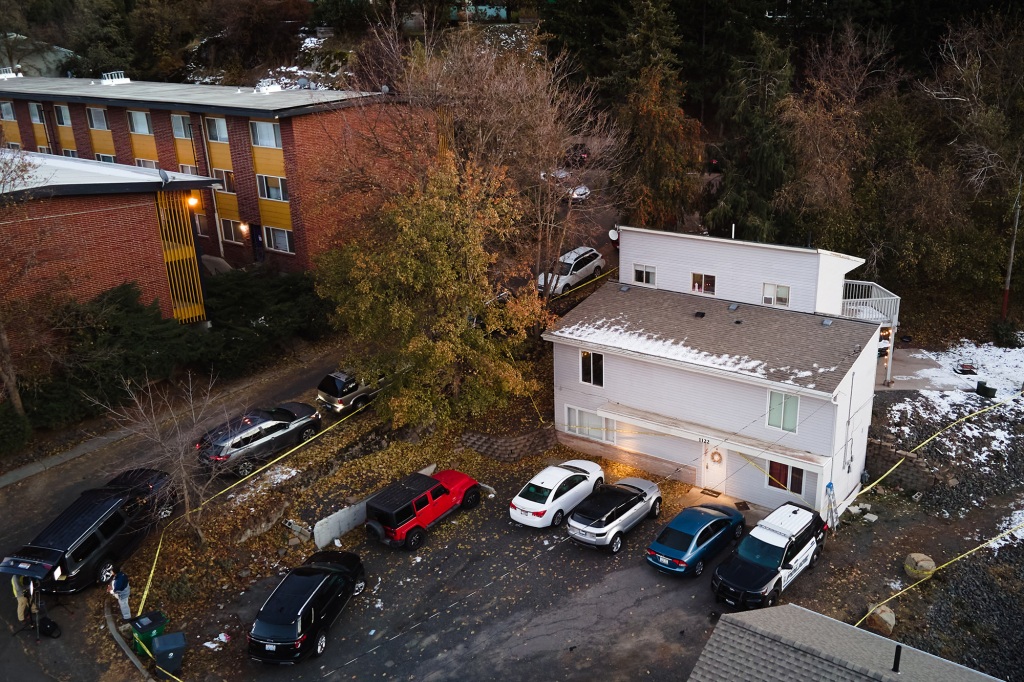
(918, 565)
(882, 620)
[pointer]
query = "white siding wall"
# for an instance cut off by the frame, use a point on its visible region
(713, 401)
(679, 450)
(861, 380)
(748, 482)
(741, 269)
(832, 269)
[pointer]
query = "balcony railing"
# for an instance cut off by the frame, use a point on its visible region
(868, 301)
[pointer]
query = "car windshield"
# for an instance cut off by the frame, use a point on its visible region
(760, 552)
(563, 268)
(265, 630)
(675, 539)
(535, 493)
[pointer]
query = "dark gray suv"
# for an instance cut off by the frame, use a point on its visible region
(256, 436)
(340, 392)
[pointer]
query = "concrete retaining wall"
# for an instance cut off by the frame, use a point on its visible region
(914, 474)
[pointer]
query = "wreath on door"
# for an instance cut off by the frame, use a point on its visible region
(716, 457)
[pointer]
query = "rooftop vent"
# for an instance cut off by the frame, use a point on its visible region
(267, 89)
(734, 307)
(114, 78)
(737, 322)
(624, 288)
(698, 315)
(826, 323)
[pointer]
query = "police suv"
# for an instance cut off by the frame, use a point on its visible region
(775, 552)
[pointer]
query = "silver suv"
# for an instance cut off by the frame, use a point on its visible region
(610, 511)
(257, 435)
(339, 392)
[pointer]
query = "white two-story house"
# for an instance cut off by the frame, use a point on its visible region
(729, 361)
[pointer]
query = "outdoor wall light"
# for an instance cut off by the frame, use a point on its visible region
(192, 202)
(244, 227)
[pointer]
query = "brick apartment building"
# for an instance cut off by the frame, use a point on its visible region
(256, 143)
(81, 227)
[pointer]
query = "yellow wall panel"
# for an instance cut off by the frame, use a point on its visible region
(276, 213)
(11, 132)
(220, 155)
(40, 131)
(227, 205)
(102, 141)
(268, 161)
(144, 147)
(67, 137)
(185, 152)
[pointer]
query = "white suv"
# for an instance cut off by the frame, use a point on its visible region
(574, 267)
(775, 552)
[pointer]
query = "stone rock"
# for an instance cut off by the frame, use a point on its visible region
(918, 565)
(953, 482)
(244, 573)
(293, 541)
(282, 551)
(854, 509)
(871, 518)
(882, 620)
(865, 506)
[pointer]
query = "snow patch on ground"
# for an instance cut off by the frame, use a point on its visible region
(1001, 368)
(1015, 521)
(271, 478)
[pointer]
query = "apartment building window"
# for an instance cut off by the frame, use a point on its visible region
(13, 145)
(783, 409)
(265, 134)
(6, 111)
(45, 150)
(703, 284)
(590, 425)
(227, 180)
(71, 153)
(643, 274)
(140, 123)
(786, 477)
(272, 187)
(591, 368)
(182, 126)
(277, 239)
(97, 118)
(776, 294)
(105, 158)
(187, 169)
(62, 114)
(145, 163)
(217, 130)
(35, 112)
(231, 231)
(202, 225)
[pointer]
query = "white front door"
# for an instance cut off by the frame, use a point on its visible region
(714, 467)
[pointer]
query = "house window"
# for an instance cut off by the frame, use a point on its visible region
(776, 294)
(145, 163)
(643, 274)
(13, 145)
(216, 130)
(591, 368)
(272, 187)
(265, 134)
(782, 410)
(105, 158)
(140, 123)
(44, 150)
(227, 180)
(35, 112)
(97, 118)
(231, 231)
(277, 239)
(62, 114)
(590, 425)
(187, 169)
(6, 111)
(202, 225)
(71, 153)
(703, 284)
(786, 477)
(182, 126)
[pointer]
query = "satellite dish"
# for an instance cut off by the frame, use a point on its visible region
(613, 234)
(164, 177)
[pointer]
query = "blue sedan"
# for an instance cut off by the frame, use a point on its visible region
(694, 537)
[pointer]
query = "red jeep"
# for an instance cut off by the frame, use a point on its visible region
(399, 515)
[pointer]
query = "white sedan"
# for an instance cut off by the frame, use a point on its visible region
(553, 493)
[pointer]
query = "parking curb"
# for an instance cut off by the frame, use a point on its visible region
(124, 645)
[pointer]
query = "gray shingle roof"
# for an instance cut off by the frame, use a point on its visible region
(792, 644)
(180, 96)
(769, 343)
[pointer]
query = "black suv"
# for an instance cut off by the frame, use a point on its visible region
(294, 621)
(100, 529)
(767, 560)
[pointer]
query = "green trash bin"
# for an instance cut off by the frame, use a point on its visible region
(145, 627)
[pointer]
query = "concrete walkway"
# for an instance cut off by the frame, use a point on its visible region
(917, 370)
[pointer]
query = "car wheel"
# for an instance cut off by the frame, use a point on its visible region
(698, 568)
(815, 557)
(616, 544)
(597, 272)
(738, 533)
(360, 403)
(414, 539)
(105, 573)
(307, 433)
(655, 509)
(246, 468)
(360, 585)
(321, 643)
(772, 599)
(556, 520)
(165, 509)
(565, 289)
(598, 482)
(471, 498)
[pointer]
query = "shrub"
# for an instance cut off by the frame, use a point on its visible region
(1006, 334)
(15, 430)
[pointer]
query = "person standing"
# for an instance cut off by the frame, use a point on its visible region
(20, 584)
(119, 588)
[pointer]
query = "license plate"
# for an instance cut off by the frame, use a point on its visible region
(271, 647)
(524, 512)
(663, 559)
